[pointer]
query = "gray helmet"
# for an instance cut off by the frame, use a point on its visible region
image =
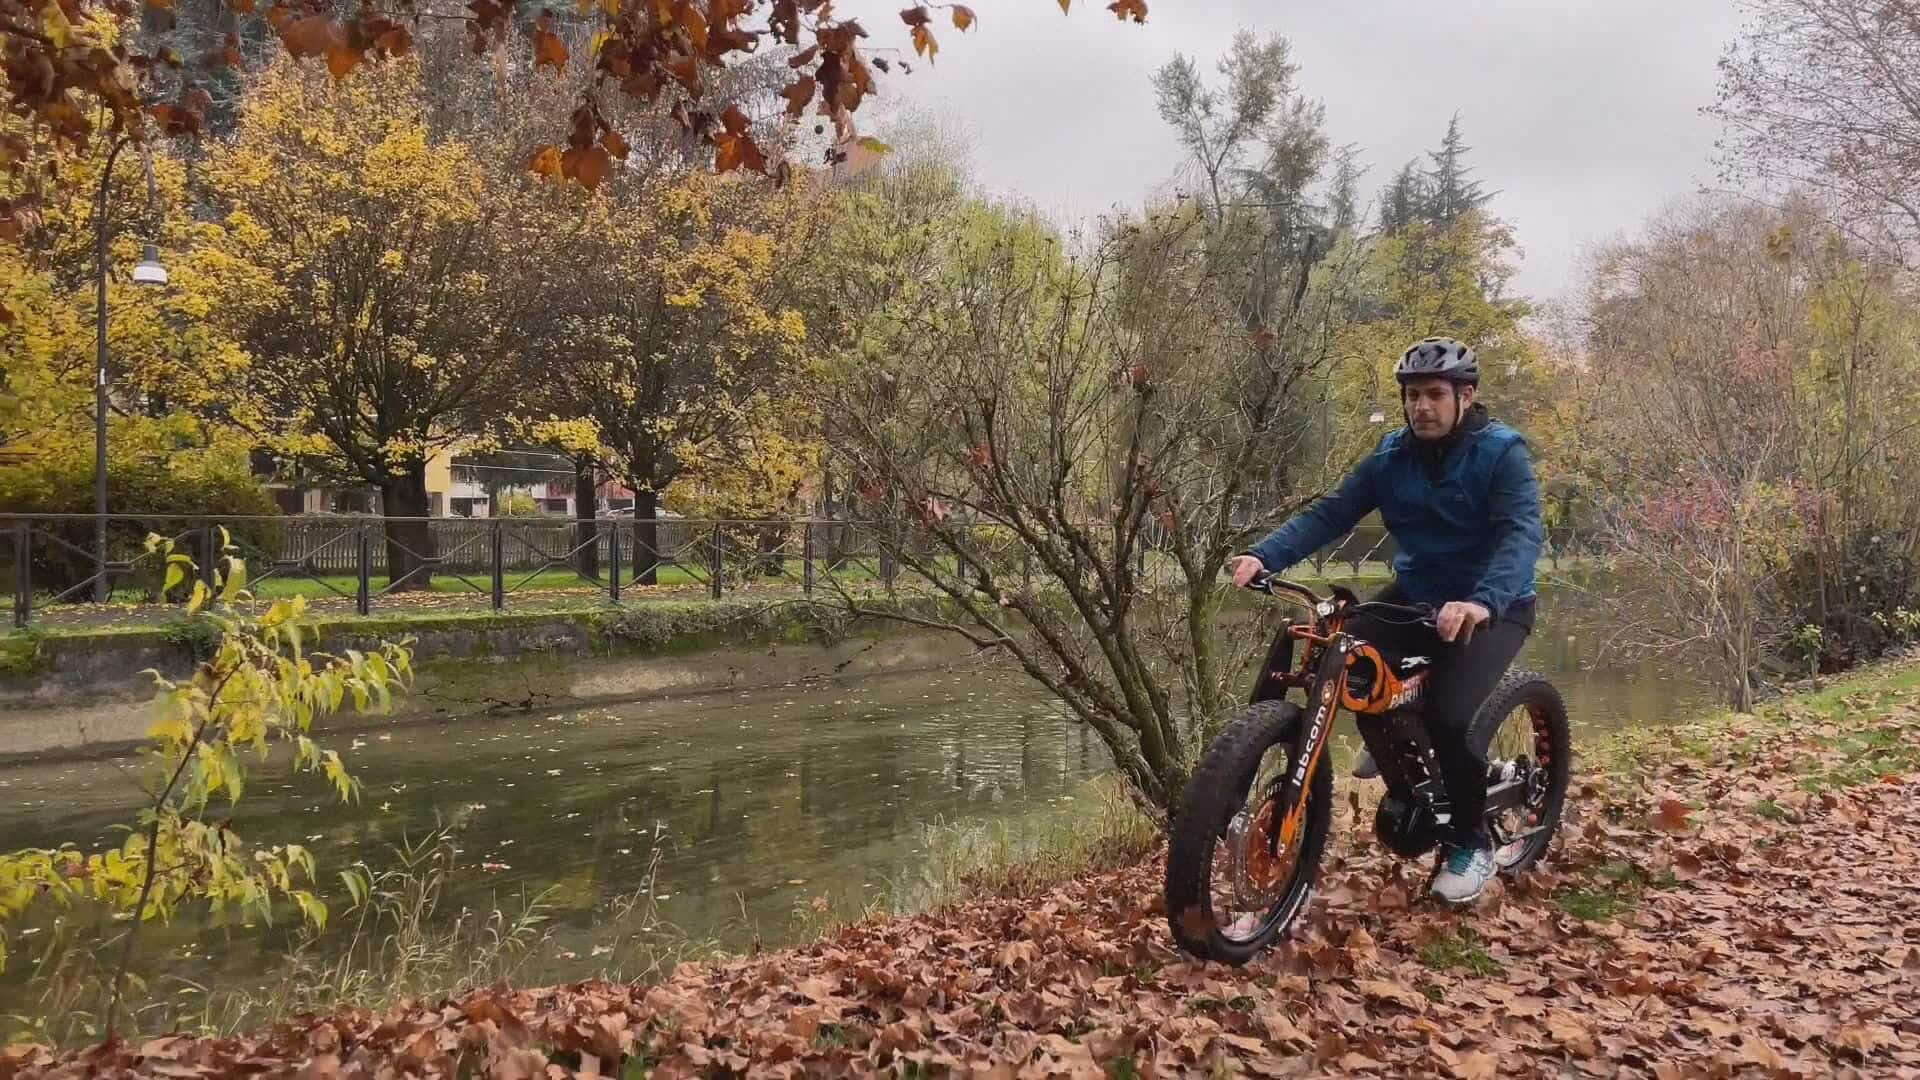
(1438, 358)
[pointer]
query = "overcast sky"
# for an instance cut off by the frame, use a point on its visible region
(1584, 114)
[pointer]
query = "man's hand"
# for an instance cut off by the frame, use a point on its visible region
(1245, 568)
(1460, 619)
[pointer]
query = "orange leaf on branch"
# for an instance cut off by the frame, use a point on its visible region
(916, 16)
(314, 35)
(548, 49)
(799, 94)
(923, 42)
(963, 17)
(546, 162)
(738, 152)
(589, 165)
(343, 60)
(1125, 9)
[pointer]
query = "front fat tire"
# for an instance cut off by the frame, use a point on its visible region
(1217, 790)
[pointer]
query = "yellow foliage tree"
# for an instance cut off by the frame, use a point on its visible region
(681, 338)
(375, 302)
(169, 363)
(1423, 279)
(261, 686)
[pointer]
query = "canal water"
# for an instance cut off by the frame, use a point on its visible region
(730, 819)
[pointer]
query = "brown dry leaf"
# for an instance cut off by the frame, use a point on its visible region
(1125, 9)
(924, 44)
(1398, 993)
(1863, 1037)
(589, 165)
(615, 144)
(1686, 866)
(963, 17)
(738, 152)
(1672, 816)
(342, 61)
(799, 95)
(1757, 1051)
(314, 35)
(1360, 944)
(1478, 1065)
(548, 49)
(1571, 1033)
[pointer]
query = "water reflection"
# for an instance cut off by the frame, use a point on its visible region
(757, 802)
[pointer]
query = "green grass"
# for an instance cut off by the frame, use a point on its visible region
(1613, 889)
(1460, 951)
(1598, 904)
(1768, 810)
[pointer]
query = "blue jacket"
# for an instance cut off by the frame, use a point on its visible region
(1466, 516)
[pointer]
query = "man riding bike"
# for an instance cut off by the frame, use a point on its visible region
(1457, 491)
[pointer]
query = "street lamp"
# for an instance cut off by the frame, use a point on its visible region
(149, 273)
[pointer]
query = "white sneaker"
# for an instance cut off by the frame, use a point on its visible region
(1509, 854)
(1465, 875)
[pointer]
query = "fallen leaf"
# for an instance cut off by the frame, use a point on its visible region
(1672, 816)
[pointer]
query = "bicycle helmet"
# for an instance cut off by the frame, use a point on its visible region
(1438, 358)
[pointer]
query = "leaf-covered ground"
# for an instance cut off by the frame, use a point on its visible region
(1741, 902)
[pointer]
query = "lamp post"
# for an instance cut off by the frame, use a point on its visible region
(150, 273)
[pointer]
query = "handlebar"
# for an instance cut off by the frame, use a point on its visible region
(1275, 585)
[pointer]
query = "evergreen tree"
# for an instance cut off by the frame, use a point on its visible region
(1343, 191)
(1405, 200)
(1451, 189)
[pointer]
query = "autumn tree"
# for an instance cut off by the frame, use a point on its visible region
(1823, 96)
(169, 447)
(1259, 148)
(683, 335)
(377, 310)
(1059, 447)
(1439, 264)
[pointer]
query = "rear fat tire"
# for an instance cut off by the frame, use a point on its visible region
(1217, 791)
(1518, 690)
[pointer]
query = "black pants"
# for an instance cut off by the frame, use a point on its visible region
(1463, 675)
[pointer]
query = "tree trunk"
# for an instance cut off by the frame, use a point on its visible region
(646, 535)
(409, 543)
(586, 533)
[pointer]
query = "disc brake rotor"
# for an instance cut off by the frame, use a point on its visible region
(1257, 870)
